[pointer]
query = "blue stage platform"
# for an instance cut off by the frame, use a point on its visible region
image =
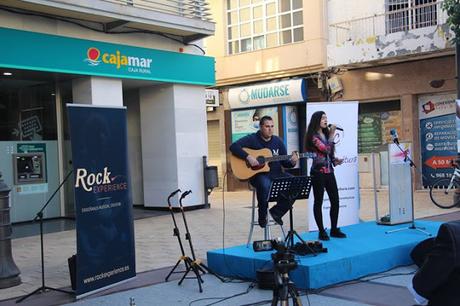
(366, 250)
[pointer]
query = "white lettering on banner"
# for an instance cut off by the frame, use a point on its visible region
(87, 181)
(267, 94)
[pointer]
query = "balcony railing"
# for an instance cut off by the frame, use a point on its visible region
(401, 19)
(194, 9)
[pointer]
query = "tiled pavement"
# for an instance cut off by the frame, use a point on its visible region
(157, 248)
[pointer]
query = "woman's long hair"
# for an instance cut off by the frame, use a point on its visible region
(312, 129)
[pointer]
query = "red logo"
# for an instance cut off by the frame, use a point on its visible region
(428, 107)
(93, 54)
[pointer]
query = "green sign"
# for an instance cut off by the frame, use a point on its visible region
(44, 52)
(31, 147)
(369, 132)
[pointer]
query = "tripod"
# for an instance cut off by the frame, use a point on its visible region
(291, 188)
(39, 217)
(186, 259)
(284, 287)
(412, 165)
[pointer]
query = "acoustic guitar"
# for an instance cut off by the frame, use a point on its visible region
(243, 170)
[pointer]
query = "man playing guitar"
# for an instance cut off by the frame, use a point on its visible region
(264, 139)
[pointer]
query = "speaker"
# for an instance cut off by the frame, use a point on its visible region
(265, 279)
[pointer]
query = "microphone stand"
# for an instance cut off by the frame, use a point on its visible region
(193, 265)
(176, 233)
(412, 165)
(39, 217)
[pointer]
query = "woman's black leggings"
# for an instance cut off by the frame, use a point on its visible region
(321, 181)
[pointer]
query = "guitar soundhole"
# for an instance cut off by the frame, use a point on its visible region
(261, 161)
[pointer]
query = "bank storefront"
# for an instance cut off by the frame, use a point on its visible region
(162, 90)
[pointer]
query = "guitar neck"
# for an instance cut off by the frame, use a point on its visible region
(286, 157)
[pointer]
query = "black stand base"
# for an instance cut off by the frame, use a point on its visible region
(191, 266)
(290, 245)
(173, 270)
(42, 290)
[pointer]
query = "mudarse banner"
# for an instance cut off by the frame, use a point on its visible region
(103, 205)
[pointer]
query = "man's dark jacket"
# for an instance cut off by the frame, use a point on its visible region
(438, 279)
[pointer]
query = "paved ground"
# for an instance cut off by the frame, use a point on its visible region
(157, 248)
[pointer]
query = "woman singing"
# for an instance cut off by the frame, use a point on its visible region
(320, 140)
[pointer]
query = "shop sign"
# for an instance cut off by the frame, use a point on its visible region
(212, 97)
(88, 57)
(438, 136)
(283, 92)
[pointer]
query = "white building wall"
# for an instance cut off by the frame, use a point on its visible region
(54, 27)
(131, 100)
(174, 140)
(358, 33)
(97, 91)
(340, 10)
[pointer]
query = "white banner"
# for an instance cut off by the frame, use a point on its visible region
(267, 94)
(344, 115)
(291, 129)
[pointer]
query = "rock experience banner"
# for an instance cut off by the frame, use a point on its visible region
(103, 205)
(438, 136)
(344, 115)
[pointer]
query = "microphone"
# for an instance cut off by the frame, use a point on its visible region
(185, 194)
(336, 127)
(173, 193)
(394, 136)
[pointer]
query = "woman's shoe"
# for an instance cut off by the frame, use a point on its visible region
(322, 235)
(337, 233)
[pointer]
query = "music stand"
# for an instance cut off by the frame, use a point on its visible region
(291, 188)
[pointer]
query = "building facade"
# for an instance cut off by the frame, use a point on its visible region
(259, 47)
(382, 53)
(144, 55)
(396, 58)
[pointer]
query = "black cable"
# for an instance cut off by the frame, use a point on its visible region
(72, 21)
(250, 287)
(221, 299)
(360, 280)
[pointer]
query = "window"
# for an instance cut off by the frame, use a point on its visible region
(258, 24)
(404, 15)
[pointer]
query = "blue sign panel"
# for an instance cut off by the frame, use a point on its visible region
(103, 205)
(439, 146)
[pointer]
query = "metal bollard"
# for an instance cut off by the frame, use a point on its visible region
(9, 272)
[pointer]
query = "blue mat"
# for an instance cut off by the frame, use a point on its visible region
(366, 250)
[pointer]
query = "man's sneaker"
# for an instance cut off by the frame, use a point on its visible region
(276, 217)
(322, 235)
(337, 233)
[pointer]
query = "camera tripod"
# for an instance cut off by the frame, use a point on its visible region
(284, 288)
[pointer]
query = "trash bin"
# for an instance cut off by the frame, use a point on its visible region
(210, 177)
(9, 272)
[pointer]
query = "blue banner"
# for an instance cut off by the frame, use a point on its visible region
(438, 137)
(103, 205)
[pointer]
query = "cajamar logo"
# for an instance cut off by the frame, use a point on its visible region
(94, 57)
